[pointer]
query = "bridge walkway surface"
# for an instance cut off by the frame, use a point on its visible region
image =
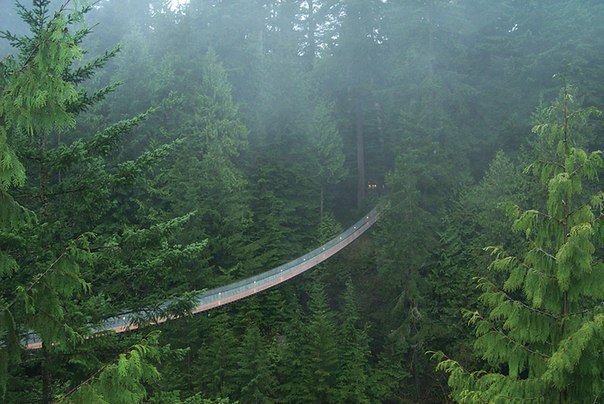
(235, 291)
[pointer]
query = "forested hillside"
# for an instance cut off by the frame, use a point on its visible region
(153, 149)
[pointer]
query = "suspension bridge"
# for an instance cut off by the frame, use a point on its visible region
(235, 291)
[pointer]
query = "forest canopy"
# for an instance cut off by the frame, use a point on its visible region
(152, 149)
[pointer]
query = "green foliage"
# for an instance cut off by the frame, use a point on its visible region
(330, 91)
(321, 355)
(326, 149)
(67, 241)
(122, 381)
(34, 99)
(543, 335)
(37, 96)
(353, 352)
(329, 227)
(256, 377)
(218, 360)
(204, 176)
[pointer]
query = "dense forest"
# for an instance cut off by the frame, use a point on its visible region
(153, 149)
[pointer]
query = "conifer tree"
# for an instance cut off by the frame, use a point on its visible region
(255, 374)
(120, 381)
(204, 176)
(321, 350)
(543, 337)
(326, 150)
(35, 99)
(353, 351)
(62, 230)
(292, 364)
(217, 360)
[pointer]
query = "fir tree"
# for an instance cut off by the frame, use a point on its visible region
(292, 364)
(217, 359)
(121, 381)
(35, 99)
(321, 349)
(74, 232)
(543, 336)
(326, 151)
(204, 176)
(353, 351)
(255, 373)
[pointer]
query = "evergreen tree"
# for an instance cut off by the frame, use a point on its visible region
(74, 236)
(35, 100)
(292, 360)
(204, 177)
(216, 360)
(255, 374)
(326, 150)
(321, 351)
(280, 162)
(353, 352)
(403, 257)
(543, 335)
(120, 381)
(355, 76)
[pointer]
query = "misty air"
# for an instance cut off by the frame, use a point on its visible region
(301, 201)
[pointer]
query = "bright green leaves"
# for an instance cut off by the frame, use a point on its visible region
(122, 381)
(543, 335)
(571, 351)
(33, 98)
(60, 281)
(36, 98)
(12, 172)
(8, 265)
(575, 256)
(80, 235)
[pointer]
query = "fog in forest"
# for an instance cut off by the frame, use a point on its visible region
(331, 201)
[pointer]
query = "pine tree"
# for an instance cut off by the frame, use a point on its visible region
(543, 336)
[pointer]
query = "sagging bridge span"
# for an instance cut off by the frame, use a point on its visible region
(235, 291)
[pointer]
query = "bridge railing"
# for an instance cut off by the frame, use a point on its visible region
(283, 270)
(246, 287)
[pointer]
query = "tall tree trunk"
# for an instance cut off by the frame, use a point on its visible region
(360, 136)
(46, 377)
(261, 43)
(322, 192)
(311, 49)
(42, 185)
(43, 173)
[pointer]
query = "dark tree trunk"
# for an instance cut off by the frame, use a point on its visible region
(46, 377)
(360, 136)
(311, 49)
(322, 193)
(43, 174)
